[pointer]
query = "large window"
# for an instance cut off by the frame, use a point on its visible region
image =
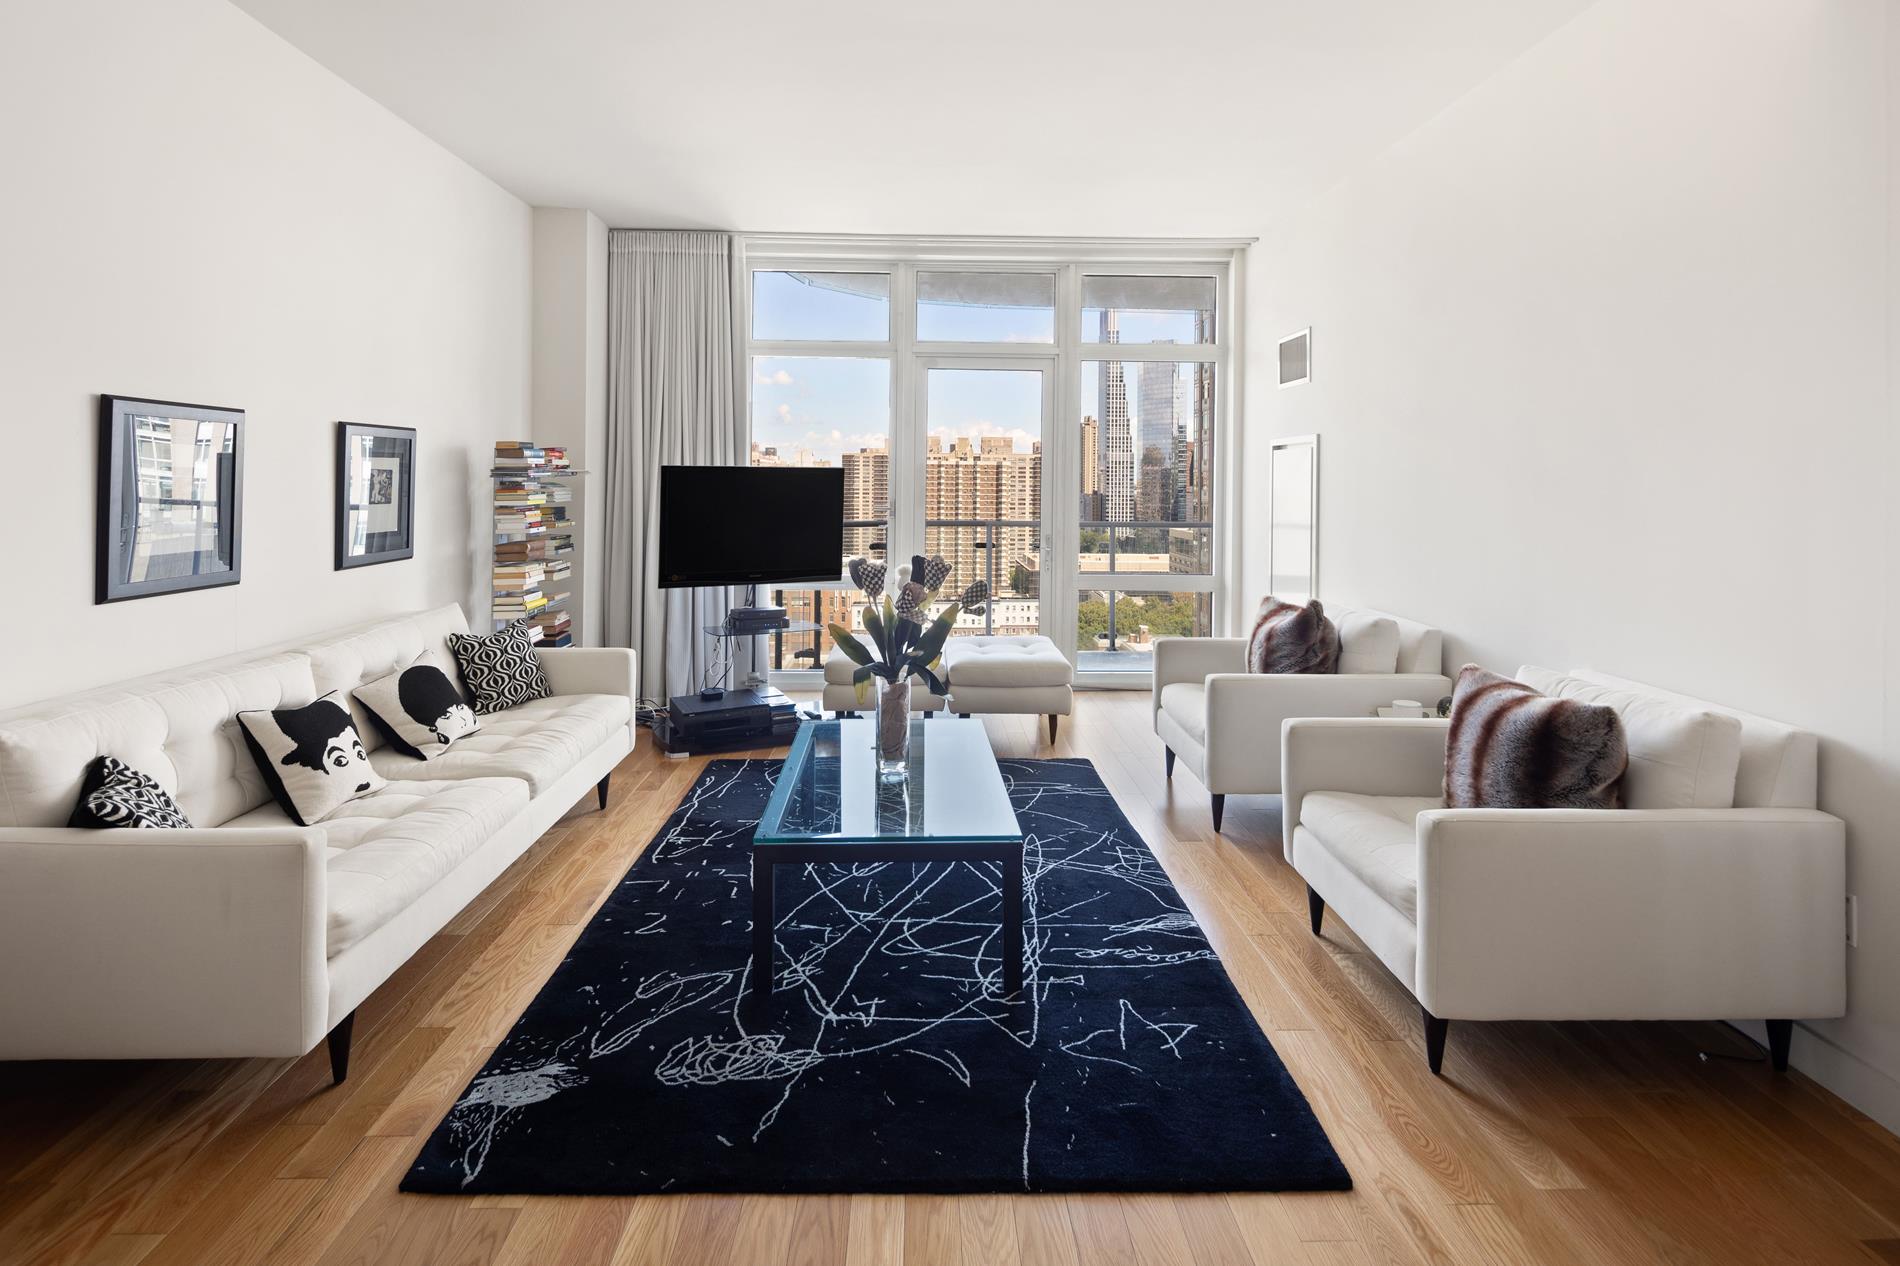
(1050, 426)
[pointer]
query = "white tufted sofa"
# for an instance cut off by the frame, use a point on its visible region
(251, 935)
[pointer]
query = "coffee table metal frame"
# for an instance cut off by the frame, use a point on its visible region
(1007, 853)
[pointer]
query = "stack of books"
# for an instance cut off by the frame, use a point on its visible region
(521, 456)
(532, 533)
(552, 628)
(518, 590)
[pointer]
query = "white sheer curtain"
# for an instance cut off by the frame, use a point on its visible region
(674, 398)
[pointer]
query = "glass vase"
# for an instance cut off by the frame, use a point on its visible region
(893, 729)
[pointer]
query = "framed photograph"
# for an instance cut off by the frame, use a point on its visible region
(1296, 358)
(1293, 518)
(171, 497)
(375, 494)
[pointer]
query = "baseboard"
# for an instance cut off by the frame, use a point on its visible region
(1840, 1071)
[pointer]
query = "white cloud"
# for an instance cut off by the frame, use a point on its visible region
(785, 412)
(778, 379)
(1019, 438)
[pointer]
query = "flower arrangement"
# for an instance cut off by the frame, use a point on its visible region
(904, 647)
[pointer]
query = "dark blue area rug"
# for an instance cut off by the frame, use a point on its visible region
(887, 1062)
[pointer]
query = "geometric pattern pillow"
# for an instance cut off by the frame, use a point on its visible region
(115, 794)
(311, 757)
(500, 667)
(418, 709)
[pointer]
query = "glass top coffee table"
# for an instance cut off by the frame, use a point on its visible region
(830, 806)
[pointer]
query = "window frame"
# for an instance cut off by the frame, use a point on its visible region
(1069, 260)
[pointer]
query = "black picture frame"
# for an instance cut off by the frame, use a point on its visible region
(217, 558)
(391, 492)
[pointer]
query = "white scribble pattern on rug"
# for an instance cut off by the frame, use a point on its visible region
(850, 926)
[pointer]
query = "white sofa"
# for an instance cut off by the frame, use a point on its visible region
(250, 935)
(1729, 905)
(1226, 721)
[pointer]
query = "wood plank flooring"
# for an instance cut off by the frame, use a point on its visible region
(1586, 1143)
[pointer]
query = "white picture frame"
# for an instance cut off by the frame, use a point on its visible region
(1293, 518)
(1295, 360)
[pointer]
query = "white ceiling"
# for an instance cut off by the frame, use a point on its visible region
(1069, 117)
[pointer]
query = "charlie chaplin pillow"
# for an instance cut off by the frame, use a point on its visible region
(419, 710)
(311, 757)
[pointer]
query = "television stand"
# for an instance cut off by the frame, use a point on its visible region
(746, 717)
(727, 630)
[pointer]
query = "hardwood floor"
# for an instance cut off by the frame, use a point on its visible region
(1586, 1143)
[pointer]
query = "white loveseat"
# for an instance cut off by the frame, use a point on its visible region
(1729, 904)
(250, 935)
(1225, 721)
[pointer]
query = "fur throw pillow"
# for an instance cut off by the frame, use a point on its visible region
(1511, 747)
(1292, 639)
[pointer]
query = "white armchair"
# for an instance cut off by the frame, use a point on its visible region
(1567, 914)
(1226, 721)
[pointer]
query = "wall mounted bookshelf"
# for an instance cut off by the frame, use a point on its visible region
(535, 540)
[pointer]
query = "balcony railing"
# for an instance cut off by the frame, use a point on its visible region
(807, 651)
(988, 546)
(1113, 529)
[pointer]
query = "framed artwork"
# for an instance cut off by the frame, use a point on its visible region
(171, 497)
(375, 494)
(1293, 518)
(1296, 358)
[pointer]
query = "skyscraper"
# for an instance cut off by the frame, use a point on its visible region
(1154, 489)
(982, 481)
(1118, 479)
(867, 496)
(1091, 468)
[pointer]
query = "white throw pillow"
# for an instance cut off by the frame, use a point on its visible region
(1367, 643)
(1680, 757)
(311, 757)
(419, 709)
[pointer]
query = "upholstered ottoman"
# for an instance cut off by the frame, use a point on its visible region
(842, 696)
(1026, 676)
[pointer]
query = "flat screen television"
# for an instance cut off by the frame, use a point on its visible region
(744, 525)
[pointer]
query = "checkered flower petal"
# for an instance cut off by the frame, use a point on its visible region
(975, 596)
(910, 602)
(868, 575)
(936, 571)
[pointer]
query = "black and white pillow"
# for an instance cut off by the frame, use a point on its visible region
(419, 710)
(116, 795)
(500, 667)
(311, 757)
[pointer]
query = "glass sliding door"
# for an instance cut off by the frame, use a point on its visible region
(981, 473)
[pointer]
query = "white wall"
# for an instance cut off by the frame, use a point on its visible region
(570, 383)
(193, 210)
(1602, 370)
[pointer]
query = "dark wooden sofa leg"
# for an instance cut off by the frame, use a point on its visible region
(1053, 718)
(1168, 757)
(1220, 805)
(601, 790)
(1315, 908)
(1780, 1036)
(1435, 1030)
(340, 1048)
